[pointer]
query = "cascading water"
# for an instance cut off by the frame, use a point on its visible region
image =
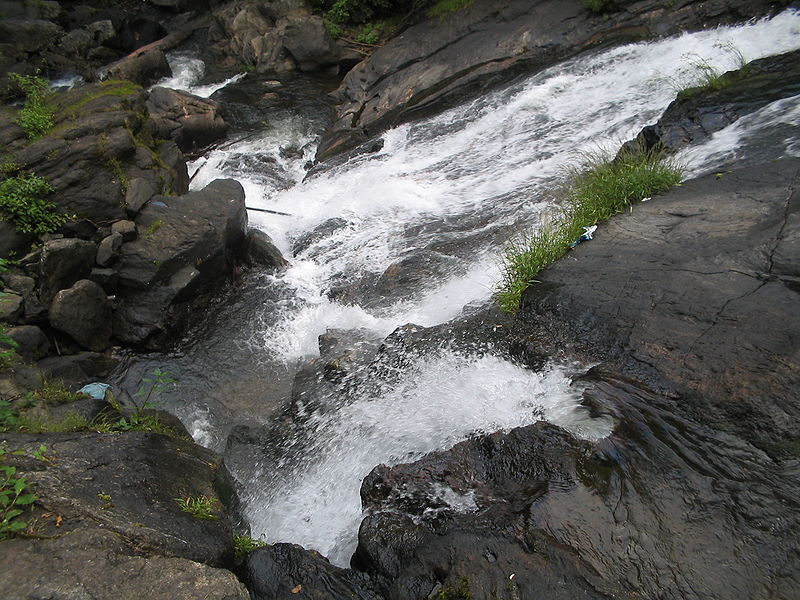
(433, 205)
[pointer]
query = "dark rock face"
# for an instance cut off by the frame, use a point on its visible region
(287, 571)
(429, 67)
(698, 113)
(32, 343)
(84, 313)
(658, 509)
(689, 282)
(13, 243)
(109, 522)
(191, 122)
(186, 245)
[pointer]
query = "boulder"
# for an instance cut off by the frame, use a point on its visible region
(144, 69)
(309, 43)
(11, 306)
(127, 229)
(186, 246)
(76, 370)
(139, 191)
(288, 571)
(108, 249)
(32, 343)
(84, 313)
(260, 251)
(29, 35)
(191, 122)
(62, 263)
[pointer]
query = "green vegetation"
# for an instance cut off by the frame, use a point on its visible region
(36, 115)
(110, 87)
(244, 545)
(8, 348)
(707, 77)
(443, 8)
(15, 498)
(599, 6)
(600, 188)
(23, 202)
(463, 591)
(54, 393)
(200, 507)
(152, 228)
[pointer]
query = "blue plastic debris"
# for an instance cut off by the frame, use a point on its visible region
(587, 234)
(95, 390)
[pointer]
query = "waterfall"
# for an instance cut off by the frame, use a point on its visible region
(443, 193)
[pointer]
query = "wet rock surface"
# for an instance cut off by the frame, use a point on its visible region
(429, 67)
(191, 122)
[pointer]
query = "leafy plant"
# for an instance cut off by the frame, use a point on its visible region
(152, 228)
(368, 35)
(598, 189)
(8, 416)
(13, 502)
(23, 202)
(200, 507)
(244, 545)
(8, 347)
(154, 383)
(36, 115)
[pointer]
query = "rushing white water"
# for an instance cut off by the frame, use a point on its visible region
(187, 70)
(446, 192)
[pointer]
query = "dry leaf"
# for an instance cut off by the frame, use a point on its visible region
(59, 521)
(296, 589)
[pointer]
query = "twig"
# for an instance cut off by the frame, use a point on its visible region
(272, 212)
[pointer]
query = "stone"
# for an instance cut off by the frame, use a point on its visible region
(185, 248)
(309, 43)
(260, 251)
(13, 243)
(108, 249)
(21, 284)
(11, 306)
(139, 192)
(84, 313)
(76, 370)
(62, 263)
(144, 69)
(127, 229)
(32, 343)
(190, 121)
(29, 35)
(106, 279)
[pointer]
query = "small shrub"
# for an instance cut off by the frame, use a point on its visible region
(244, 545)
(53, 392)
(23, 202)
(598, 189)
(462, 591)
(200, 507)
(599, 6)
(8, 346)
(13, 502)
(36, 115)
(368, 35)
(152, 228)
(8, 416)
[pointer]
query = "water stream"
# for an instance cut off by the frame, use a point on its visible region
(411, 234)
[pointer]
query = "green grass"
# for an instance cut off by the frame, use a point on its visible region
(24, 203)
(244, 545)
(599, 188)
(445, 7)
(37, 114)
(706, 77)
(200, 507)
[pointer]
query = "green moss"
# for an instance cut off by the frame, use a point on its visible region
(152, 228)
(445, 7)
(462, 591)
(113, 87)
(599, 188)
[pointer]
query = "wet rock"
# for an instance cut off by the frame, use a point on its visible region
(319, 233)
(108, 249)
(84, 313)
(32, 343)
(186, 247)
(682, 326)
(437, 64)
(288, 571)
(191, 122)
(697, 113)
(95, 561)
(106, 279)
(345, 351)
(64, 262)
(260, 251)
(11, 307)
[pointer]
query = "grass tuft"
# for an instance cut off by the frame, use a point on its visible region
(200, 507)
(599, 188)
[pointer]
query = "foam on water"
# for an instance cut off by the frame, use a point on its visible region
(187, 70)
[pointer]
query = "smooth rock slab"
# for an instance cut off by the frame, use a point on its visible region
(62, 263)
